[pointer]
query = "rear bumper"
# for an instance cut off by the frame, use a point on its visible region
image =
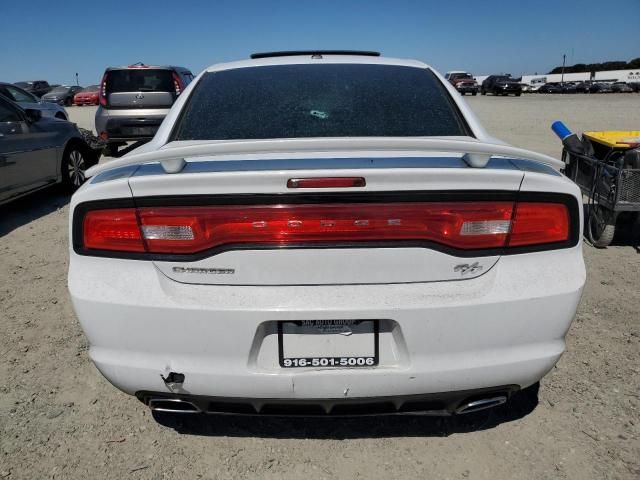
(128, 125)
(505, 327)
(508, 89)
(130, 129)
(467, 89)
(437, 404)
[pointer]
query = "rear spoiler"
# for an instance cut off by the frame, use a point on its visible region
(475, 153)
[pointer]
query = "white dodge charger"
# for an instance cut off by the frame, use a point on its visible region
(329, 233)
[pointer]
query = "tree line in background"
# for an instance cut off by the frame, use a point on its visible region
(599, 67)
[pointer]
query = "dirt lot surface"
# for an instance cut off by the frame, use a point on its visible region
(60, 419)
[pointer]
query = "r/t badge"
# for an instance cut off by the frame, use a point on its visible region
(465, 268)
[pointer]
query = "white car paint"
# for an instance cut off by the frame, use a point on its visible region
(502, 325)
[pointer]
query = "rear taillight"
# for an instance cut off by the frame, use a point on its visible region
(177, 83)
(114, 229)
(457, 225)
(211, 227)
(539, 223)
(103, 91)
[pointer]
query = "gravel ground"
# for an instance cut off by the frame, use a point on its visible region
(60, 419)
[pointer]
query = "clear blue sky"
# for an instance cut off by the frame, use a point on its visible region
(53, 40)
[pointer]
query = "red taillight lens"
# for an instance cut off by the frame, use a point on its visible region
(103, 91)
(539, 223)
(177, 83)
(114, 229)
(293, 224)
(465, 225)
(458, 225)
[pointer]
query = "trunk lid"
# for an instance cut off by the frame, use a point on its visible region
(399, 177)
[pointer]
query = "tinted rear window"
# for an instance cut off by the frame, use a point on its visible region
(142, 80)
(331, 100)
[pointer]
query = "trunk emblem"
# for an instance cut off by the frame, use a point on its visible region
(210, 271)
(465, 268)
(139, 96)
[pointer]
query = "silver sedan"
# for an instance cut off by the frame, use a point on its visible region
(36, 152)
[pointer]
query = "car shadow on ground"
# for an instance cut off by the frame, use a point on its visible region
(627, 232)
(341, 428)
(24, 210)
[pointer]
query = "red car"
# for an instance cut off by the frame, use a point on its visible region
(87, 96)
(463, 82)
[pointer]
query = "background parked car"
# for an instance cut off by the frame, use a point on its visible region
(621, 87)
(36, 152)
(600, 88)
(36, 87)
(87, 96)
(134, 100)
(534, 87)
(463, 82)
(568, 87)
(550, 88)
(582, 87)
(27, 100)
(500, 85)
(62, 95)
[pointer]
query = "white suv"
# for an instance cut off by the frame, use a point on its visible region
(325, 233)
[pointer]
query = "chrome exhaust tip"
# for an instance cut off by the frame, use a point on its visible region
(172, 405)
(481, 404)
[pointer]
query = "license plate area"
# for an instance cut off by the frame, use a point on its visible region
(139, 130)
(328, 343)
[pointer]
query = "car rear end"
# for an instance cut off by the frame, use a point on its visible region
(325, 275)
(134, 101)
(507, 87)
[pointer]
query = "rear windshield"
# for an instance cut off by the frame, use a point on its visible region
(91, 88)
(140, 80)
(331, 100)
(60, 90)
